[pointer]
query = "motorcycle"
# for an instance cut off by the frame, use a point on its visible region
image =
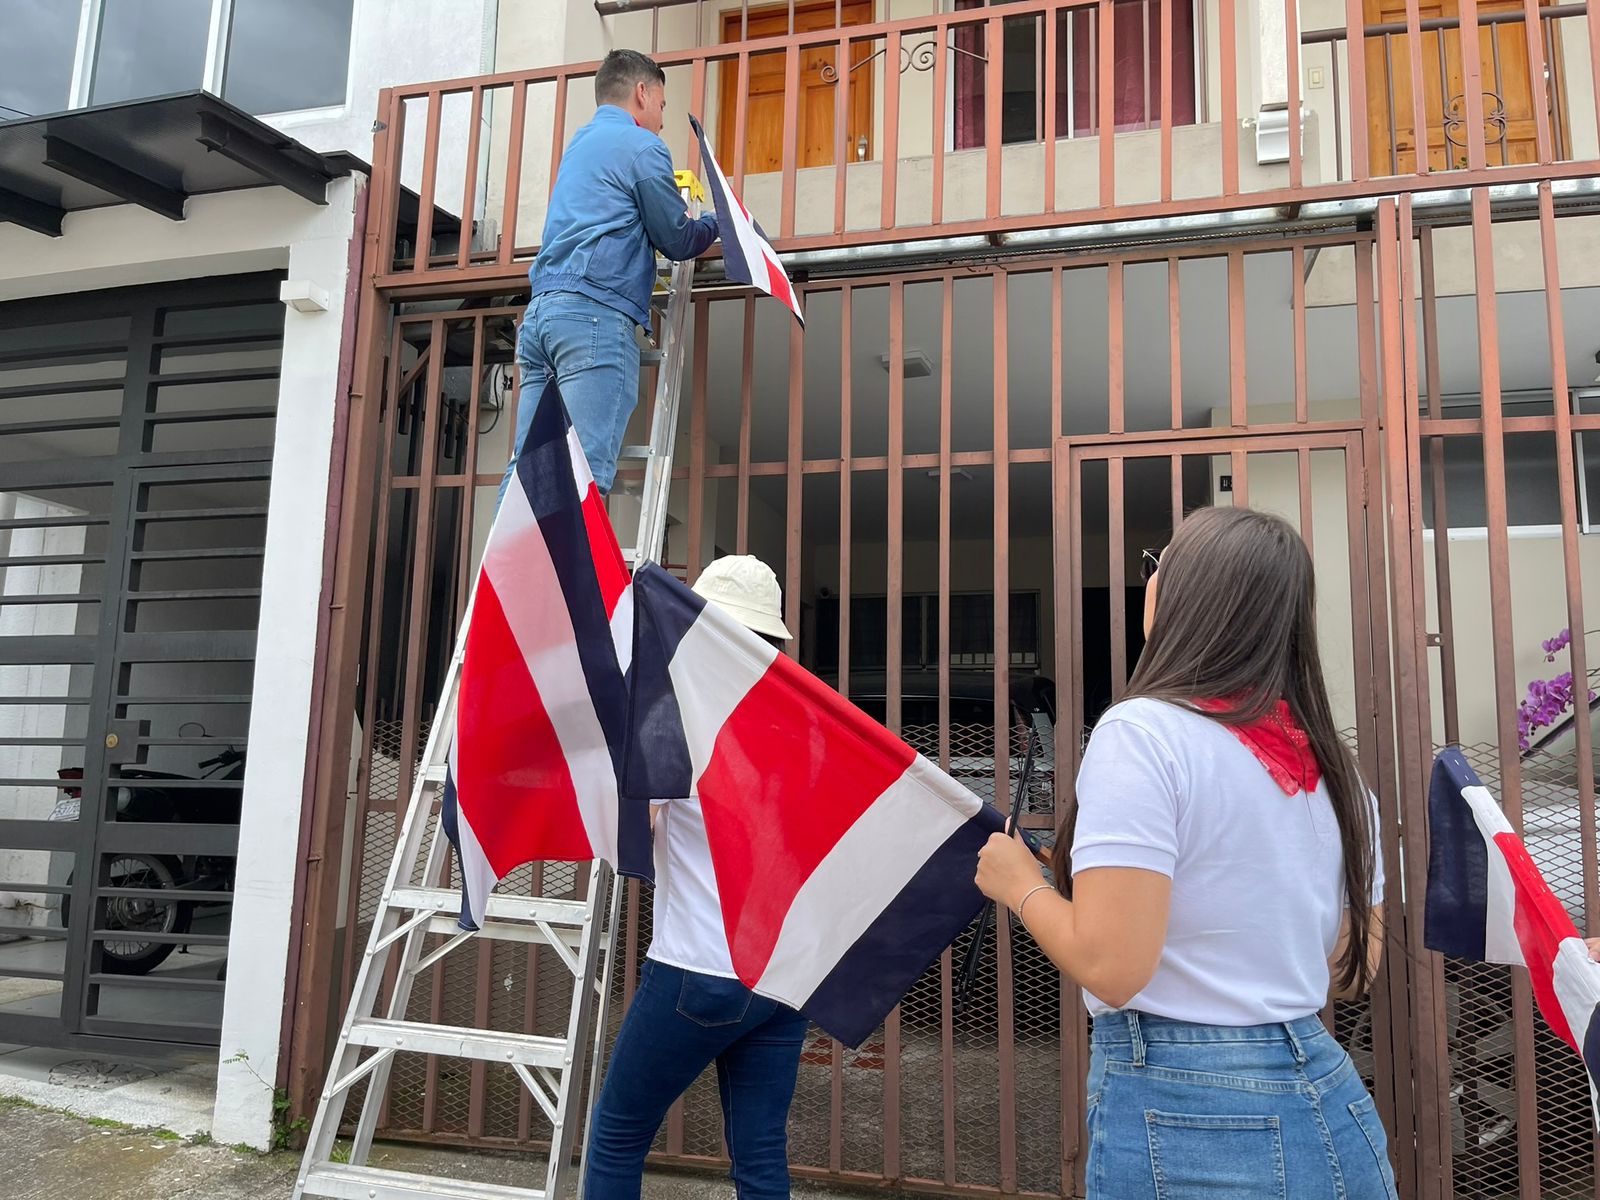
(134, 915)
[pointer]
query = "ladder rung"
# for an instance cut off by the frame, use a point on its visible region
(453, 1041)
(636, 452)
(435, 772)
(507, 931)
(447, 902)
(342, 1181)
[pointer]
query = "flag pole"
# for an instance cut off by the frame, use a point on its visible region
(974, 956)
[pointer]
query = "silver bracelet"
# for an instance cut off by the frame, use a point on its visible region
(1043, 887)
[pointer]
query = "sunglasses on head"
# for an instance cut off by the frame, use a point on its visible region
(1149, 563)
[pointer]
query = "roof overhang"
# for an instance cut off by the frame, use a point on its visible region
(155, 153)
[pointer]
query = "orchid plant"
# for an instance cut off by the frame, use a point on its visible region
(1547, 700)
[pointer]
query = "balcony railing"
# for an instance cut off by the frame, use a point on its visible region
(1107, 110)
(1526, 91)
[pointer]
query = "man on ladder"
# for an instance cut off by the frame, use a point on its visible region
(615, 203)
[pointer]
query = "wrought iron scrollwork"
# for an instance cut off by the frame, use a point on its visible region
(1494, 119)
(920, 57)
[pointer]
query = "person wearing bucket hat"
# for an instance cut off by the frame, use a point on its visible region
(690, 1010)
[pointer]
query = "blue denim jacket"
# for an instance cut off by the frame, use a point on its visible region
(614, 199)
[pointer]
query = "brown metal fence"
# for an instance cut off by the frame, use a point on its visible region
(954, 470)
(943, 437)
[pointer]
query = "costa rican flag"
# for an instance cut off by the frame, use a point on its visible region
(1487, 902)
(747, 255)
(843, 861)
(542, 707)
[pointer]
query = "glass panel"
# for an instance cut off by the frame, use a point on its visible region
(150, 48)
(266, 317)
(287, 54)
(36, 57)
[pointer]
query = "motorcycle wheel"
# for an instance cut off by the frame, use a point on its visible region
(132, 955)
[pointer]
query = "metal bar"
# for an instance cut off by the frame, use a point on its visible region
(1302, 391)
(1360, 159)
(1534, 33)
(697, 439)
(894, 654)
(1441, 548)
(1495, 504)
(941, 76)
(846, 490)
(1291, 37)
(516, 132)
(889, 154)
(1175, 343)
(791, 134)
(740, 120)
(1168, 44)
(1238, 394)
(1114, 346)
(793, 479)
(430, 179)
(841, 124)
(1228, 31)
(1052, 84)
(993, 91)
(469, 196)
(1105, 81)
(1002, 709)
(946, 357)
(1472, 85)
(1057, 381)
(746, 393)
(1118, 575)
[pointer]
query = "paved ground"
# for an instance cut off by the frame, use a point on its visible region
(52, 1156)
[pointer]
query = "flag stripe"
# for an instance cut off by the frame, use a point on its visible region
(534, 804)
(872, 975)
(855, 882)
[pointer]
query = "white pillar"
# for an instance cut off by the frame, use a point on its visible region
(280, 714)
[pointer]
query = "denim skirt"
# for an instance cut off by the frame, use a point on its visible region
(1261, 1112)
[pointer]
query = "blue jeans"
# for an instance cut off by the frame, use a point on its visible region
(1179, 1110)
(589, 349)
(680, 1022)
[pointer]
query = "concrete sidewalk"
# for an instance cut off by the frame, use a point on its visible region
(51, 1156)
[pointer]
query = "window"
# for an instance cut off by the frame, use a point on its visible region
(287, 54)
(41, 37)
(1136, 72)
(266, 56)
(150, 48)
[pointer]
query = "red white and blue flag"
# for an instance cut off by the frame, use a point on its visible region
(542, 708)
(843, 860)
(1487, 902)
(747, 255)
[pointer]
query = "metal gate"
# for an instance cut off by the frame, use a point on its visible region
(136, 432)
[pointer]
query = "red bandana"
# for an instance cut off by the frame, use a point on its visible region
(1279, 744)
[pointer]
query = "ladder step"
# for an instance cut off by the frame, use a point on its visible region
(341, 1181)
(447, 902)
(453, 1041)
(636, 452)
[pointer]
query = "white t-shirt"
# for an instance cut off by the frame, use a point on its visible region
(1257, 876)
(687, 930)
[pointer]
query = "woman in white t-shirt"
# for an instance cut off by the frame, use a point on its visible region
(1221, 873)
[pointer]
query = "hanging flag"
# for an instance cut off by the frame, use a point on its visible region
(541, 708)
(1487, 902)
(747, 255)
(842, 860)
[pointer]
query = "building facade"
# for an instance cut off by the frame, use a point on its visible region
(182, 199)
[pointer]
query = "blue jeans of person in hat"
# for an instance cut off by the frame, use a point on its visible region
(589, 350)
(680, 1022)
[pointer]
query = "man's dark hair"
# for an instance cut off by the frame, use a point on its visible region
(622, 71)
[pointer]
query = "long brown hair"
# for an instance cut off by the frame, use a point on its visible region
(1235, 620)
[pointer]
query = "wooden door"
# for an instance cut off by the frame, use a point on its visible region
(765, 116)
(1508, 100)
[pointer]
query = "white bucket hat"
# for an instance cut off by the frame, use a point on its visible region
(745, 588)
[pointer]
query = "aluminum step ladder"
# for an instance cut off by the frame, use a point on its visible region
(581, 932)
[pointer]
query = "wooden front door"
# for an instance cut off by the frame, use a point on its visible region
(765, 115)
(1508, 104)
